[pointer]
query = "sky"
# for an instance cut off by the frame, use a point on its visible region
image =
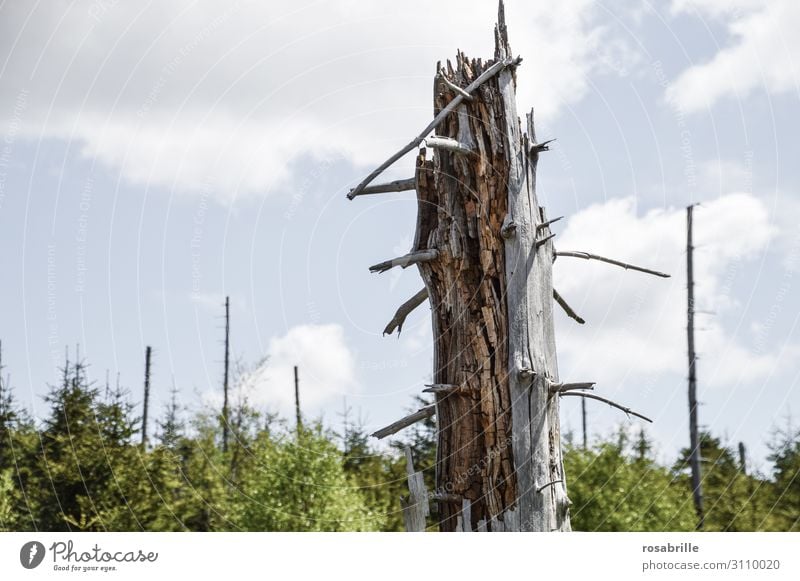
(156, 157)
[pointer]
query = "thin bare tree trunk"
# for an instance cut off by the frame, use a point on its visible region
(146, 404)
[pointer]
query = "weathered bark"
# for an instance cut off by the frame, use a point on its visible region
(490, 289)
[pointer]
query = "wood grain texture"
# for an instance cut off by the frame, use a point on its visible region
(490, 289)
(462, 203)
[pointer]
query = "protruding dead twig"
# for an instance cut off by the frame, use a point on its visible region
(448, 144)
(419, 415)
(406, 261)
(451, 106)
(544, 225)
(543, 241)
(567, 309)
(453, 87)
(625, 265)
(441, 388)
(543, 146)
(609, 402)
(563, 387)
(404, 310)
(395, 186)
(548, 484)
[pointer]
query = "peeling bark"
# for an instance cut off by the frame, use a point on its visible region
(490, 289)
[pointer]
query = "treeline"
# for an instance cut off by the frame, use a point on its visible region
(83, 467)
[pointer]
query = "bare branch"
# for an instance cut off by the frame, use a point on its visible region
(448, 144)
(544, 146)
(453, 87)
(451, 106)
(441, 388)
(562, 387)
(444, 389)
(567, 309)
(417, 416)
(544, 225)
(548, 484)
(625, 265)
(395, 186)
(609, 402)
(406, 261)
(404, 310)
(543, 241)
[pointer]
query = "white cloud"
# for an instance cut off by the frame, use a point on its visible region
(762, 53)
(636, 324)
(714, 8)
(327, 370)
(193, 95)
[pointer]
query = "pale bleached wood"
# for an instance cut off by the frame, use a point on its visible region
(416, 508)
(547, 224)
(453, 87)
(466, 515)
(411, 419)
(511, 521)
(448, 144)
(404, 310)
(562, 387)
(485, 76)
(531, 334)
(395, 186)
(441, 388)
(536, 148)
(406, 260)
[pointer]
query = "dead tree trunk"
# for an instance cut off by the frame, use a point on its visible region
(299, 418)
(694, 438)
(225, 408)
(485, 252)
(491, 297)
(146, 404)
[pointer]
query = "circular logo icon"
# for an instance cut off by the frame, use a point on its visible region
(31, 554)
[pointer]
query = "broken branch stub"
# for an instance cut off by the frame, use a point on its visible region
(567, 309)
(410, 419)
(403, 311)
(395, 186)
(406, 261)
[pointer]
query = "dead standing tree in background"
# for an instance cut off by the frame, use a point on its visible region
(485, 252)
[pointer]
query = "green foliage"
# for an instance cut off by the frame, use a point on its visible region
(299, 484)
(83, 468)
(7, 492)
(380, 477)
(617, 487)
(784, 502)
(732, 499)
